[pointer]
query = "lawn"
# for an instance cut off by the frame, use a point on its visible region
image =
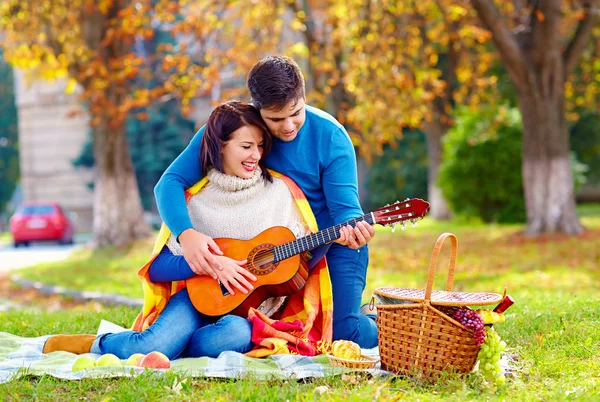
(554, 327)
(5, 238)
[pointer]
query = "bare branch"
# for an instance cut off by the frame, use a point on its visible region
(505, 43)
(582, 36)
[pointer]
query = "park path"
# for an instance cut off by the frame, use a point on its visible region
(12, 259)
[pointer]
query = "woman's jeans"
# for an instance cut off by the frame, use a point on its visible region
(181, 331)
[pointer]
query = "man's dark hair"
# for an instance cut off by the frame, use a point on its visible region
(222, 122)
(274, 82)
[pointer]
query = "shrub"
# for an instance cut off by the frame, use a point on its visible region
(401, 172)
(481, 170)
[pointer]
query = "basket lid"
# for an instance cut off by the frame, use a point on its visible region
(440, 297)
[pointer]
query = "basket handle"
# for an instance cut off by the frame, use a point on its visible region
(434, 261)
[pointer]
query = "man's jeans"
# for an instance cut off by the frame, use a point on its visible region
(181, 331)
(348, 271)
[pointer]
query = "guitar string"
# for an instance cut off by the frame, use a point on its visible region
(305, 243)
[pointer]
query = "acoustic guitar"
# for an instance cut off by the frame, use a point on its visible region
(274, 258)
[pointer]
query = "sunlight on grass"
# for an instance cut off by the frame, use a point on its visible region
(553, 329)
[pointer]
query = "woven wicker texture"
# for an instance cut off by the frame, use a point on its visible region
(365, 362)
(418, 338)
(438, 297)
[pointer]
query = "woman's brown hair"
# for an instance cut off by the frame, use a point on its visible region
(222, 122)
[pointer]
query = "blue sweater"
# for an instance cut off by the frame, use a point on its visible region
(321, 160)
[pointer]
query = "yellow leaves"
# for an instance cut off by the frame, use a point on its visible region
(456, 12)
(568, 90)
(463, 74)
(104, 6)
(298, 25)
(433, 59)
(71, 86)
(298, 49)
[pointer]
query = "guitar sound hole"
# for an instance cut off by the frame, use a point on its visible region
(260, 260)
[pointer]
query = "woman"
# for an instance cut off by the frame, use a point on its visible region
(239, 190)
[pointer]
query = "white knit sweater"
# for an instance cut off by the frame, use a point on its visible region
(232, 207)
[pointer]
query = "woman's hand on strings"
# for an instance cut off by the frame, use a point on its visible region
(200, 251)
(234, 275)
(356, 237)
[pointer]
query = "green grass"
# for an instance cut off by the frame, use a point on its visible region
(554, 327)
(5, 238)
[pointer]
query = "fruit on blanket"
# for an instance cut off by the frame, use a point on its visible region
(490, 317)
(82, 363)
(346, 350)
(109, 360)
(155, 360)
(135, 359)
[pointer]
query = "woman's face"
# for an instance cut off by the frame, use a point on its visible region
(242, 152)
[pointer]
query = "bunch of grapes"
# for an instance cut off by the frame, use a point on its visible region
(471, 320)
(489, 357)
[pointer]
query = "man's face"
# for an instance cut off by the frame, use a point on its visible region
(286, 123)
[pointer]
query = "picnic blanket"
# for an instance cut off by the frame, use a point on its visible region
(305, 326)
(20, 356)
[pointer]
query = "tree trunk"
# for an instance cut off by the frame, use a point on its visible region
(439, 207)
(547, 174)
(118, 213)
(538, 67)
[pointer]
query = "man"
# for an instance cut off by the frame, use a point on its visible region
(313, 149)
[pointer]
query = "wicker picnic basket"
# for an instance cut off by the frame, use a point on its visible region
(416, 334)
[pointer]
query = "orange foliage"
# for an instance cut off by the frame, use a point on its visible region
(377, 66)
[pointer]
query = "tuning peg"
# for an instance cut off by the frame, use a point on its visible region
(393, 227)
(403, 225)
(414, 223)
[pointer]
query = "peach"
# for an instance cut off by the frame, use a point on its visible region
(155, 360)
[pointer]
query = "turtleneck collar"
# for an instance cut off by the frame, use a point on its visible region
(229, 183)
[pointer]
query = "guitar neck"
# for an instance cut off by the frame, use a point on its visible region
(315, 240)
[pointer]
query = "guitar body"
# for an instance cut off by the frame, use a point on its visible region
(281, 278)
(287, 276)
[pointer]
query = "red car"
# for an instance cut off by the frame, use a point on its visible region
(40, 221)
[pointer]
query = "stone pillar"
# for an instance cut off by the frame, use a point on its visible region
(48, 141)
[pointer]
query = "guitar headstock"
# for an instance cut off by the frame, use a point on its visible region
(401, 212)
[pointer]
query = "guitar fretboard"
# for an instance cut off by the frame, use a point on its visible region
(315, 240)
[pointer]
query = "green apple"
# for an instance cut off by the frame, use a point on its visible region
(109, 360)
(135, 359)
(82, 363)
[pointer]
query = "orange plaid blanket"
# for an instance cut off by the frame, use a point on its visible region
(305, 325)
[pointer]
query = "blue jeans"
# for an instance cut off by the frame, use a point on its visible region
(348, 271)
(181, 331)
